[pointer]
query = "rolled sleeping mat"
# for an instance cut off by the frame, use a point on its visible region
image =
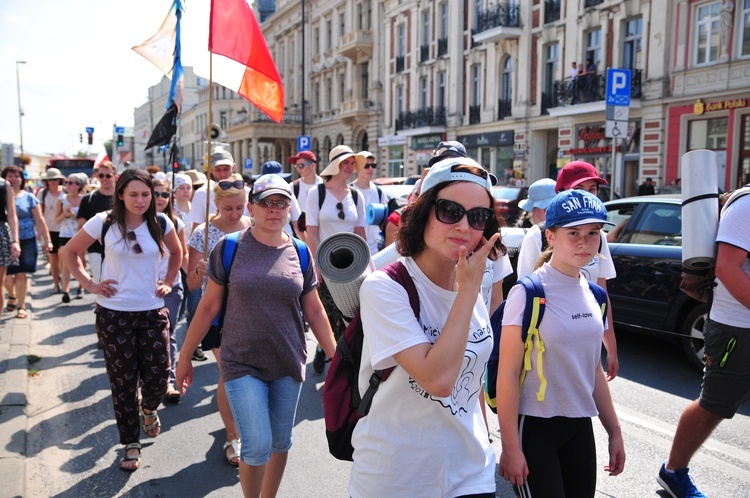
(344, 262)
(387, 256)
(376, 213)
(700, 209)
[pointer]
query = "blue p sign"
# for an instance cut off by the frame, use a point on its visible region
(618, 87)
(303, 143)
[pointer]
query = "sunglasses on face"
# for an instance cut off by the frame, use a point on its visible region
(226, 184)
(280, 204)
(136, 247)
(71, 183)
(300, 166)
(450, 213)
(373, 166)
(163, 195)
(104, 175)
(340, 207)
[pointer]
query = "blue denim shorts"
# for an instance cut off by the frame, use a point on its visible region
(726, 378)
(264, 413)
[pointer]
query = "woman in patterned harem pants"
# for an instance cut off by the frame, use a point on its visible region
(132, 323)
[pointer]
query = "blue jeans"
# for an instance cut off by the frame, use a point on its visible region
(264, 413)
(172, 302)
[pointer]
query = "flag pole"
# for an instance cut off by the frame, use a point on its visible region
(208, 165)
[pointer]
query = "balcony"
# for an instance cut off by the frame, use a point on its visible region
(587, 89)
(356, 44)
(475, 114)
(354, 110)
(498, 23)
(591, 3)
(423, 118)
(400, 63)
(442, 46)
(424, 53)
(503, 109)
(551, 11)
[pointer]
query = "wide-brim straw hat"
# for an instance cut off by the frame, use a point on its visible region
(338, 154)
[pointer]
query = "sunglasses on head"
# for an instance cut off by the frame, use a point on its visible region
(226, 184)
(105, 175)
(340, 207)
(136, 247)
(373, 166)
(280, 204)
(164, 195)
(450, 213)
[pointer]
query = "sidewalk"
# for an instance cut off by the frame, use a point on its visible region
(15, 335)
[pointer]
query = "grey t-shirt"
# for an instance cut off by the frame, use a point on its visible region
(264, 335)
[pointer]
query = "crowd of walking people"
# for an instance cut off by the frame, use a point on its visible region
(237, 257)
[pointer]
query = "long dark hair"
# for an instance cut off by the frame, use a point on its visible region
(168, 211)
(118, 206)
(410, 235)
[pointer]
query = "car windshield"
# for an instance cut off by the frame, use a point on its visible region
(506, 193)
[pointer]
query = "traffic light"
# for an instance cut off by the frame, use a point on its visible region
(80, 137)
(91, 138)
(119, 140)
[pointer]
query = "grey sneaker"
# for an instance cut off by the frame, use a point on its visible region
(678, 483)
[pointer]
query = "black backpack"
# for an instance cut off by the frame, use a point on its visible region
(322, 195)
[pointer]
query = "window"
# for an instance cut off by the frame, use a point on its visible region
(399, 99)
(550, 67)
(745, 34)
(476, 84)
(477, 14)
(400, 40)
(426, 35)
(423, 102)
(223, 120)
(594, 46)
(360, 16)
(441, 90)
(507, 80)
(316, 97)
(342, 87)
(329, 93)
(707, 33)
(316, 41)
(631, 56)
(708, 134)
(342, 25)
(329, 35)
(444, 23)
(365, 79)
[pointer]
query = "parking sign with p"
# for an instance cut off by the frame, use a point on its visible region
(303, 143)
(618, 86)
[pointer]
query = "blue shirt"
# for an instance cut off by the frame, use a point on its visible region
(24, 205)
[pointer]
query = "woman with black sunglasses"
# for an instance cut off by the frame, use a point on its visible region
(132, 323)
(231, 202)
(334, 207)
(427, 415)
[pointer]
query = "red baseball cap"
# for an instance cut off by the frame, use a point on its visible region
(575, 173)
(305, 154)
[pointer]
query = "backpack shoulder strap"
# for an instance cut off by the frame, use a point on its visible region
(321, 195)
(44, 198)
(303, 253)
(295, 188)
(380, 194)
(601, 297)
(230, 251)
(532, 317)
(355, 195)
(543, 232)
(162, 222)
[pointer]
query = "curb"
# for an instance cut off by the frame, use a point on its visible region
(15, 336)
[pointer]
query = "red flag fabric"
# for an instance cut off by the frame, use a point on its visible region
(235, 33)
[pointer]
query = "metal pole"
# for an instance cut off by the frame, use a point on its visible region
(614, 187)
(302, 75)
(20, 112)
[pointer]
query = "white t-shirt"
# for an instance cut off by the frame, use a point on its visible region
(572, 332)
(198, 207)
(304, 188)
(370, 195)
(136, 274)
(734, 229)
(531, 248)
(327, 218)
(293, 216)
(412, 443)
(494, 272)
(164, 264)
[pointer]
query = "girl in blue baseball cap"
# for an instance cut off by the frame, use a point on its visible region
(545, 417)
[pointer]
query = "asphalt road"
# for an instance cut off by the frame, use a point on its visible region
(73, 449)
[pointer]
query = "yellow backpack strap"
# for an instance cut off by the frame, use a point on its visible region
(532, 317)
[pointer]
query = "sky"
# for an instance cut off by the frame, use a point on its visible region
(80, 70)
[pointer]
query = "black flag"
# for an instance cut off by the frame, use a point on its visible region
(165, 129)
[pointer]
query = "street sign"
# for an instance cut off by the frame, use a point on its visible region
(119, 130)
(616, 129)
(248, 163)
(617, 113)
(89, 129)
(618, 87)
(303, 143)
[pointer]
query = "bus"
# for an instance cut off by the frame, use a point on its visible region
(74, 165)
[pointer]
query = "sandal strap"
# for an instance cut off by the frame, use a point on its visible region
(133, 446)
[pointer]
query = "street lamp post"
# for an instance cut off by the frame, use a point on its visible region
(20, 112)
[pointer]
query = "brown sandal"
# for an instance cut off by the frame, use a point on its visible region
(21, 313)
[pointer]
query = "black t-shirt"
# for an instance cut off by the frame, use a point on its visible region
(90, 205)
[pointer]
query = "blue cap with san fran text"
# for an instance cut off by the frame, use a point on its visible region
(572, 208)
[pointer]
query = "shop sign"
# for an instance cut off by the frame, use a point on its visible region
(722, 105)
(391, 140)
(591, 140)
(426, 142)
(492, 139)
